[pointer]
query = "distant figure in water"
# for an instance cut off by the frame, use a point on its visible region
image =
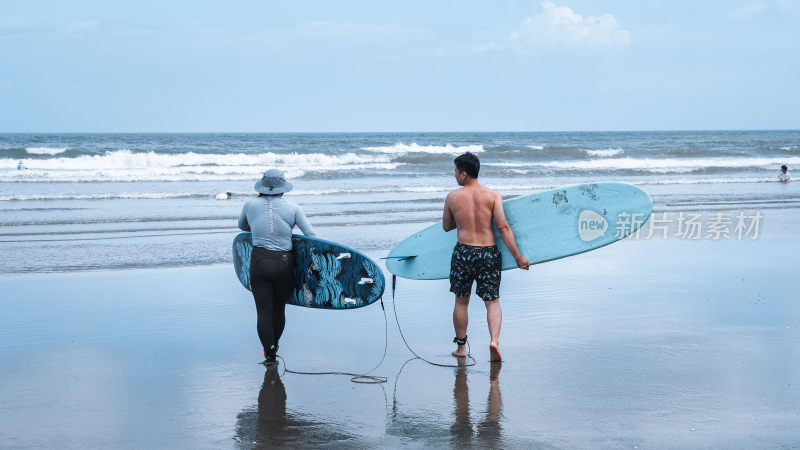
(471, 210)
(783, 177)
(224, 196)
(272, 268)
(20, 166)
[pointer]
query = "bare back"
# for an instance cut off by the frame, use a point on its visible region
(471, 210)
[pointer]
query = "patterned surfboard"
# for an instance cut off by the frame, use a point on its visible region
(329, 275)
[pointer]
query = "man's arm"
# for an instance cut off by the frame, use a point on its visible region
(499, 217)
(448, 221)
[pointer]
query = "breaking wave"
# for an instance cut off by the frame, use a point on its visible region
(605, 153)
(45, 150)
(125, 165)
(448, 149)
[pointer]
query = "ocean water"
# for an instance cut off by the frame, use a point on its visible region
(113, 201)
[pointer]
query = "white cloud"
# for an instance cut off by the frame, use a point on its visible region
(559, 27)
(748, 11)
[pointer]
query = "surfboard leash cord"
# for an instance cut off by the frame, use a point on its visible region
(366, 378)
(360, 378)
(399, 328)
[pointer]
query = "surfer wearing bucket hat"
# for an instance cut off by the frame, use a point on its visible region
(271, 218)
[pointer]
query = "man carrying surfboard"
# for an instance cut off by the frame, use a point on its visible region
(471, 210)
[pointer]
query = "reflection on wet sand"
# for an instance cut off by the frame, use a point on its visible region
(271, 425)
(419, 422)
(488, 434)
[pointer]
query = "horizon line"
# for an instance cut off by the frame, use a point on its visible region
(410, 131)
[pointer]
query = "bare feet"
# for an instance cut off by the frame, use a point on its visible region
(460, 352)
(494, 353)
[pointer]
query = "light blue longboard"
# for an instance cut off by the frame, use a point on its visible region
(547, 225)
(328, 276)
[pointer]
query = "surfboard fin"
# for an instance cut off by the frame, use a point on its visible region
(400, 258)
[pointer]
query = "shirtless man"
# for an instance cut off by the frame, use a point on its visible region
(471, 210)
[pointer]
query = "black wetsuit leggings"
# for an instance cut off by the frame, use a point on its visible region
(272, 280)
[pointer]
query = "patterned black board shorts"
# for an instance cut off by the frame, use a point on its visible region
(481, 264)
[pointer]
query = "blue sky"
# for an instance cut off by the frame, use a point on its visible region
(567, 65)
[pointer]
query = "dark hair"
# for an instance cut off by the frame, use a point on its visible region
(469, 163)
(784, 167)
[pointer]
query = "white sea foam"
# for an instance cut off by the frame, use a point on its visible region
(663, 165)
(126, 159)
(210, 195)
(45, 150)
(605, 153)
(423, 189)
(124, 165)
(706, 181)
(206, 174)
(420, 189)
(448, 149)
(109, 196)
(521, 187)
(516, 188)
(536, 147)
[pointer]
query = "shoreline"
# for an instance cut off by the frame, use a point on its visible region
(194, 245)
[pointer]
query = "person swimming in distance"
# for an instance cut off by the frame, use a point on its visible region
(20, 166)
(271, 219)
(471, 210)
(783, 177)
(223, 196)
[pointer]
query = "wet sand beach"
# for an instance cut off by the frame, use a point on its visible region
(642, 344)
